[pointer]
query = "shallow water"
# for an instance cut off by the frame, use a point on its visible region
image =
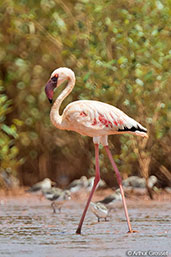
(29, 228)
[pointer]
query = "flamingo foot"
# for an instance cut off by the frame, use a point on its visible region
(132, 231)
(78, 231)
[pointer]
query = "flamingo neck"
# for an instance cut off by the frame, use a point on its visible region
(55, 117)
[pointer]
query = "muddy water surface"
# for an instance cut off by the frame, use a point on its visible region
(29, 228)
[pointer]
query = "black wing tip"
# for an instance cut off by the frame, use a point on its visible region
(133, 129)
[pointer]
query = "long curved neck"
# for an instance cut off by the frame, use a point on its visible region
(55, 117)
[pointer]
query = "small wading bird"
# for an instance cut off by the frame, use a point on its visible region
(110, 199)
(57, 196)
(91, 118)
(137, 182)
(78, 184)
(42, 185)
(100, 210)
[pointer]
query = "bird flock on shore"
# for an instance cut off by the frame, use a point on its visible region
(101, 208)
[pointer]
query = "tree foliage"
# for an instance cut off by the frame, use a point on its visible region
(8, 136)
(120, 53)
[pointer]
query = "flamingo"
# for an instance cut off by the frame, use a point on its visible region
(94, 119)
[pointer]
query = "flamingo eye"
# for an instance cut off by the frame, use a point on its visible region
(54, 78)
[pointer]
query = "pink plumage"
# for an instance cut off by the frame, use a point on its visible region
(93, 118)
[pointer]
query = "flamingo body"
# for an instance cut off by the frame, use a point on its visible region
(95, 119)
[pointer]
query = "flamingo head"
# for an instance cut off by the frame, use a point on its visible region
(57, 77)
(50, 86)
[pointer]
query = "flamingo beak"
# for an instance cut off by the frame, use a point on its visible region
(49, 88)
(50, 101)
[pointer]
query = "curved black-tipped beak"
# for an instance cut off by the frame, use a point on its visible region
(49, 88)
(50, 101)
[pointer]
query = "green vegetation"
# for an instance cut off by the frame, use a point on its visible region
(8, 136)
(120, 53)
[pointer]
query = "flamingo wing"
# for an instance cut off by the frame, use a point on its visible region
(95, 118)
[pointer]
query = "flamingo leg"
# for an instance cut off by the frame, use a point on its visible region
(96, 180)
(119, 180)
